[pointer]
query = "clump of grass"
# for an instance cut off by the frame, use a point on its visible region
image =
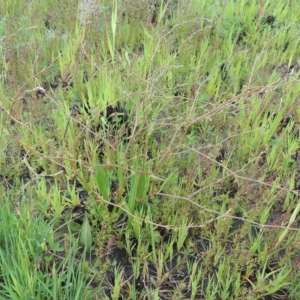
(152, 150)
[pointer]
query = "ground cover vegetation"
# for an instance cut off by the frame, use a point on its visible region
(149, 149)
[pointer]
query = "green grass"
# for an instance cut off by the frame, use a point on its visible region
(149, 150)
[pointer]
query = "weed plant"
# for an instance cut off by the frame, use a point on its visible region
(149, 149)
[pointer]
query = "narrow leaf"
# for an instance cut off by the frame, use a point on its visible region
(120, 171)
(102, 183)
(141, 189)
(86, 234)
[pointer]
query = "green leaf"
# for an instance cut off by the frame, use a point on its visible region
(120, 171)
(133, 188)
(86, 234)
(102, 183)
(141, 189)
(132, 193)
(119, 244)
(156, 236)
